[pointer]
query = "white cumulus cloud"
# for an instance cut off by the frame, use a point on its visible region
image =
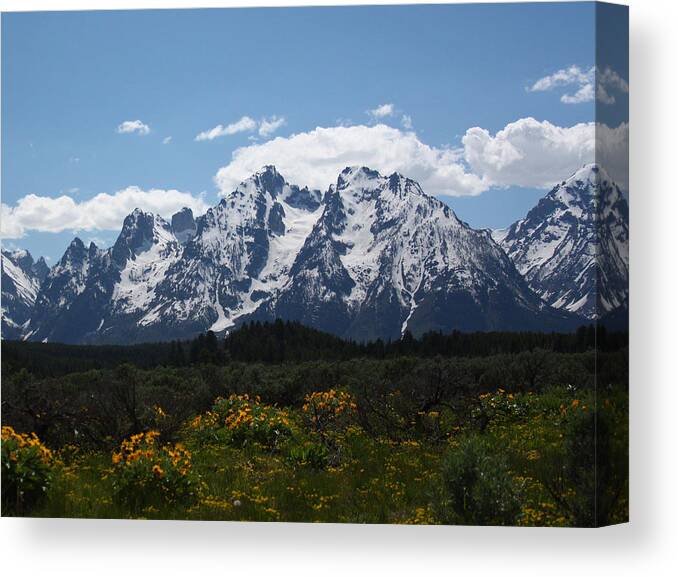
(131, 126)
(529, 152)
(316, 158)
(101, 212)
(537, 154)
(244, 124)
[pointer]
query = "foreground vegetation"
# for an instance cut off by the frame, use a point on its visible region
(519, 438)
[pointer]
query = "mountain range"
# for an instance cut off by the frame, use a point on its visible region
(371, 257)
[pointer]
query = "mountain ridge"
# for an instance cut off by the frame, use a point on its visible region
(370, 258)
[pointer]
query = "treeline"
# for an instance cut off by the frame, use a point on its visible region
(280, 342)
(291, 342)
(55, 359)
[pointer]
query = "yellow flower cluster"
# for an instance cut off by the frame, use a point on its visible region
(24, 440)
(331, 401)
(180, 458)
(245, 412)
(202, 422)
(142, 446)
(422, 516)
(139, 446)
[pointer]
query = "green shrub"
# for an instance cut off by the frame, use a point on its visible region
(26, 471)
(477, 487)
(314, 455)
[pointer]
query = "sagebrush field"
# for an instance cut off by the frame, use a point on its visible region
(499, 439)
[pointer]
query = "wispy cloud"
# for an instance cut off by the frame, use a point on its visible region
(268, 126)
(588, 83)
(132, 126)
(244, 124)
(264, 127)
(406, 121)
(382, 111)
(167, 140)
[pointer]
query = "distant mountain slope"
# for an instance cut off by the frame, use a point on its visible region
(21, 280)
(572, 248)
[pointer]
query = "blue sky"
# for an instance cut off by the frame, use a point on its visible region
(69, 80)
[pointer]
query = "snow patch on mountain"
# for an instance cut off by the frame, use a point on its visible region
(147, 265)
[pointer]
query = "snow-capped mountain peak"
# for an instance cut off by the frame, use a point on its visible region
(384, 255)
(572, 247)
(372, 257)
(21, 280)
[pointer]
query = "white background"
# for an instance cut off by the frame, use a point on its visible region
(646, 546)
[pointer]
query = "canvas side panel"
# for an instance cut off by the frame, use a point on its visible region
(611, 149)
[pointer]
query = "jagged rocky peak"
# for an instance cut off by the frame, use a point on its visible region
(270, 180)
(20, 257)
(140, 230)
(76, 253)
(267, 181)
(184, 225)
(358, 177)
(24, 260)
(41, 269)
(590, 173)
(390, 197)
(374, 183)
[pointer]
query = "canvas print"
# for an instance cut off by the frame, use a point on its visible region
(363, 264)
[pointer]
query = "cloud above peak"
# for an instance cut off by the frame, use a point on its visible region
(315, 159)
(101, 212)
(526, 153)
(132, 126)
